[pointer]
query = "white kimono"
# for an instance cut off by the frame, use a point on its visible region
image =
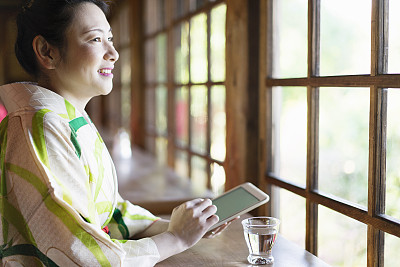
(59, 189)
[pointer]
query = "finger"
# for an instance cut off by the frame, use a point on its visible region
(209, 211)
(210, 221)
(192, 203)
(222, 227)
(204, 204)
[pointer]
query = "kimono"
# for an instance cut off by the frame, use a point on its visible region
(59, 189)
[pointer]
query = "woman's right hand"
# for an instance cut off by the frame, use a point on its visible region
(191, 220)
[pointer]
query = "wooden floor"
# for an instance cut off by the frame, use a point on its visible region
(144, 182)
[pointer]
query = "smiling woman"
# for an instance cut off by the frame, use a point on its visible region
(59, 201)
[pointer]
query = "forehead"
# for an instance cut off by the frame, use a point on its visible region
(88, 16)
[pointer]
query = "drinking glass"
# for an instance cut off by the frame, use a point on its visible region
(260, 234)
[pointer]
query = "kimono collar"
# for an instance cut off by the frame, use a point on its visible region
(16, 96)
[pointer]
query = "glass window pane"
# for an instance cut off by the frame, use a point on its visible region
(126, 107)
(161, 109)
(343, 142)
(182, 116)
(125, 35)
(180, 8)
(182, 53)
(199, 175)
(154, 15)
(150, 59)
(150, 110)
(392, 248)
(116, 31)
(291, 26)
(293, 217)
(198, 118)
(394, 37)
(181, 163)
(161, 58)
(161, 150)
(218, 178)
(392, 154)
(125, 61)
(342, 241)
(218, 123)
(150, 16)
(345, 37)
(198, 49)
(196, 4)
(291, 132)
(217, 43)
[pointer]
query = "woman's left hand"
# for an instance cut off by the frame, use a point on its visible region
(219, 229)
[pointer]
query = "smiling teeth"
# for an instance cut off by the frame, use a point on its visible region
(108, 71)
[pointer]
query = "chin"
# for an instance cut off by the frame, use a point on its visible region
(104, 89)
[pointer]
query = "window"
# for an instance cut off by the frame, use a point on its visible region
(332, 97)
(184, 89)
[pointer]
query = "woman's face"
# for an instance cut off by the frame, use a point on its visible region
(84, 70)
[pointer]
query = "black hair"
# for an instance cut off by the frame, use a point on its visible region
(50, 19)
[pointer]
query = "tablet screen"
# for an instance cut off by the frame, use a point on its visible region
(233, 202)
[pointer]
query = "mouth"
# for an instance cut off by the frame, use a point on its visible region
(105, 72)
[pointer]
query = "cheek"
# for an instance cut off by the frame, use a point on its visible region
(86, 58)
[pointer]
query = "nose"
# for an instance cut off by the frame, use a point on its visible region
(111, 54)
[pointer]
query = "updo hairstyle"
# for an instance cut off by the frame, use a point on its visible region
(50, 19)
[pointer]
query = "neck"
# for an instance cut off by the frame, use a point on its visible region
(78, 103)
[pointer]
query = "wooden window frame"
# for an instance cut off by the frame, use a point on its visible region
(171, 86)
(378, 223)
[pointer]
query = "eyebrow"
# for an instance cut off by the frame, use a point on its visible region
(97, 30)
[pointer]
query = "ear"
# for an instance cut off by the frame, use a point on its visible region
(46, 54)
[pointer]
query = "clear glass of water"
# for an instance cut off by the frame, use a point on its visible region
(260, 234)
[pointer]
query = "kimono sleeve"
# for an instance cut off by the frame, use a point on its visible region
(58, 221)
(129, 220)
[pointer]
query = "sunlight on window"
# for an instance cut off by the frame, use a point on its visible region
(393, 154)
(150, 59)
(181, 116)
(161, 59)
(150, 110)
(343, 143)
(199, 175)
(198, 49)
(392, 248)
(291, 46)
(293, 216)
(161, 150)
(217, 43)
(161, 110)
(126, 89)
(394, 37)
(218, 123)
(291, 132)
(217, 179)
(345, 37)
(342, 241)
(181, 163)
(182, 53)
(198, 114)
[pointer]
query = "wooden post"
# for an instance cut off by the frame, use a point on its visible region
(237, 70)
(377, 149)
(137, 84)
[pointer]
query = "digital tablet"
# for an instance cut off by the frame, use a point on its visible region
(237, 201)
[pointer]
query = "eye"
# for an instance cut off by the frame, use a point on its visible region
(97, 39)
(111, 39)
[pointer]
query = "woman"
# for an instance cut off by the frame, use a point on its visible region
(59, 198)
